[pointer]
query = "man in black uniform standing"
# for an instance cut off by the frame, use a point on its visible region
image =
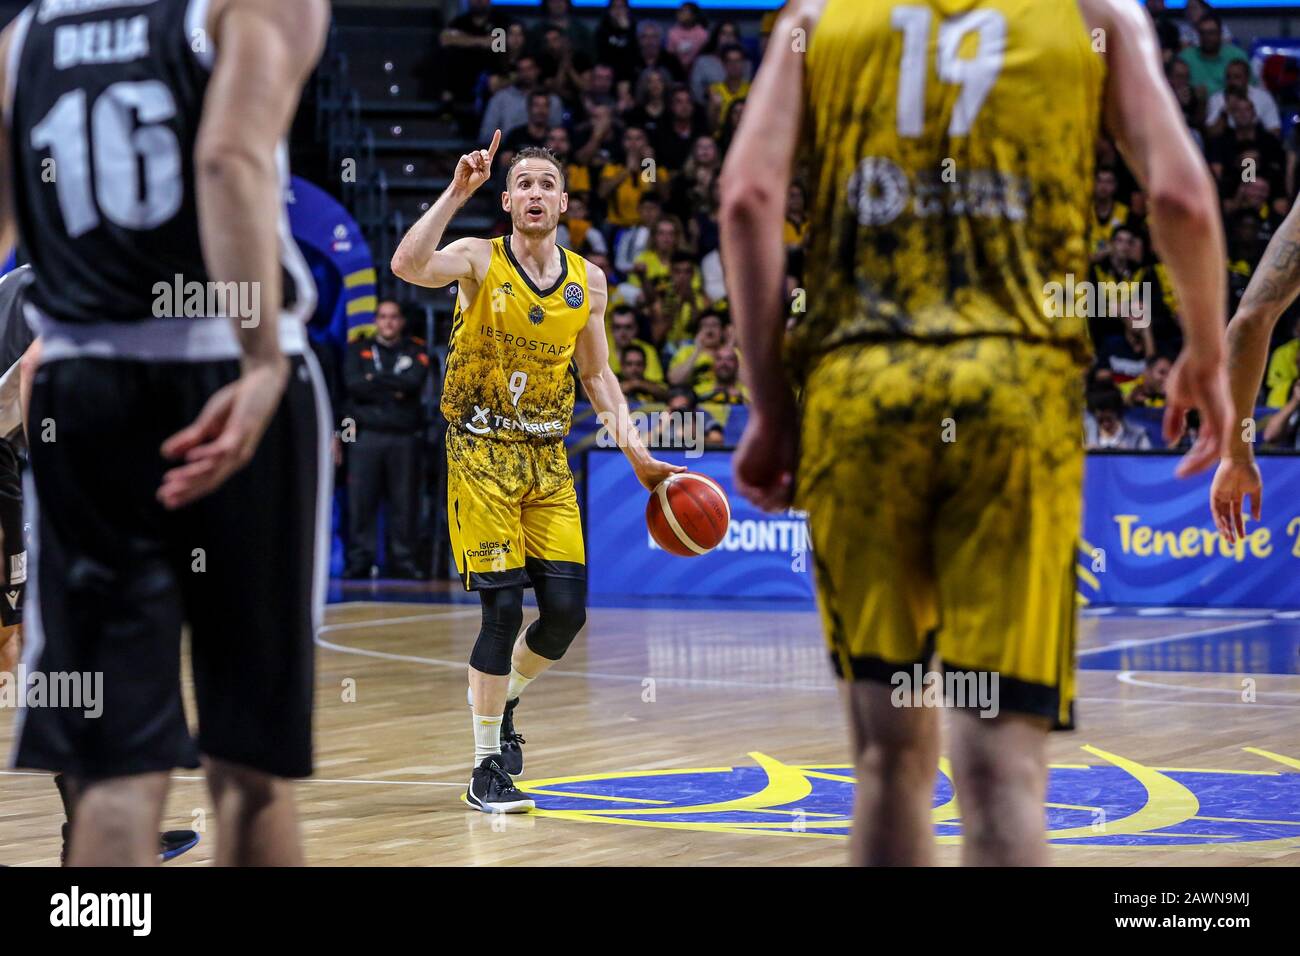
(18, 360)
(178, 437)
(384, 376)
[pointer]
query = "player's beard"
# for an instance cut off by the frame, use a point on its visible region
(526, 227)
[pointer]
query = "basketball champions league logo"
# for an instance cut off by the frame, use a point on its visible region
(1109, 801)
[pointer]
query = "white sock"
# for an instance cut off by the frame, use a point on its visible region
(518, 684)
(487, 737)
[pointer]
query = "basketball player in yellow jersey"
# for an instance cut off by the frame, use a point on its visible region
(526, 311)
(937, 448)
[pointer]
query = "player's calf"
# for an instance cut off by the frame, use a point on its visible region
(1000, 772)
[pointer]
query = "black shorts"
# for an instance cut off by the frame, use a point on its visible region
(13, 540)
(115, 576)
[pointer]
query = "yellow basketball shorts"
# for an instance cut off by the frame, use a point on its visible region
(943, 484)
(512, 511)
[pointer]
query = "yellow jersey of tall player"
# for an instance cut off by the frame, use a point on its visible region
(950, 145)
(951, 148)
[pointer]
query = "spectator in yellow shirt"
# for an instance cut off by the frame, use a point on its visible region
(623, 184)
(683, 301)
(727, 389)
(652, 269)
(796, 220)
(733, 87)
(1283, 370)
(623, 329)
(577, 178)
(692, 365)
(1108, 213)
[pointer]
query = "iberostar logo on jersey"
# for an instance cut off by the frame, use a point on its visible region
(1105, 799)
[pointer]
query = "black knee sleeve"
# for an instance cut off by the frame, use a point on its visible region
(563, 606)
(503, 615)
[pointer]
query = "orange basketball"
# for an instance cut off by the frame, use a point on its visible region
(688, 514)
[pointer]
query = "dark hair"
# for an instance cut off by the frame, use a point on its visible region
(621, 308)
(731, 48)
(680, 391)
(633, 348)
(695, 323)
(1212, 17)
(682, 257)
(711, 46)
(1106, 400)
(536, 152)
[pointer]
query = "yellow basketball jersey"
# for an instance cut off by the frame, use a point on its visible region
(508, 361)
(950, 147)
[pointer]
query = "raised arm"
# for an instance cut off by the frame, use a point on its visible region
(604, 392)
(418, 260)
(1148, 126)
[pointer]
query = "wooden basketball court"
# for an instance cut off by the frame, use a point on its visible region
(694, 736)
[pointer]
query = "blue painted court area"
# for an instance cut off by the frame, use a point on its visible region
(1199, 642)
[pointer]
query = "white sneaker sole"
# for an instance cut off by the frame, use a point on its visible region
(519, 806)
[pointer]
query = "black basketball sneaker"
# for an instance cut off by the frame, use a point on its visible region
(512, 742)
(492, 791)
(171, 844)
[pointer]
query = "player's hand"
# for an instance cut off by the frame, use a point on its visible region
(1235, 479)
(653, 471)
(1203, 386)
(764, 462)
(224, 437)
(475, 168)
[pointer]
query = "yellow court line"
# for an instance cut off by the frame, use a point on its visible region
(594, 796)
(1248, 773)
(821, 766)
(1071, 806)
(1268, 754)
(828, 776)
(1276, 823)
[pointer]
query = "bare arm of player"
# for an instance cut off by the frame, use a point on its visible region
(27, 366)
(418, 260)
(755, 182)
(603, 391)
(1148, 126)
(1272, 288)
(264, 51)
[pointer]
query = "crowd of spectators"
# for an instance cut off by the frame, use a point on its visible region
(641, 112)
(1252, 155)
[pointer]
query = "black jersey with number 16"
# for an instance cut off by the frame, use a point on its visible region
(105, 99)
